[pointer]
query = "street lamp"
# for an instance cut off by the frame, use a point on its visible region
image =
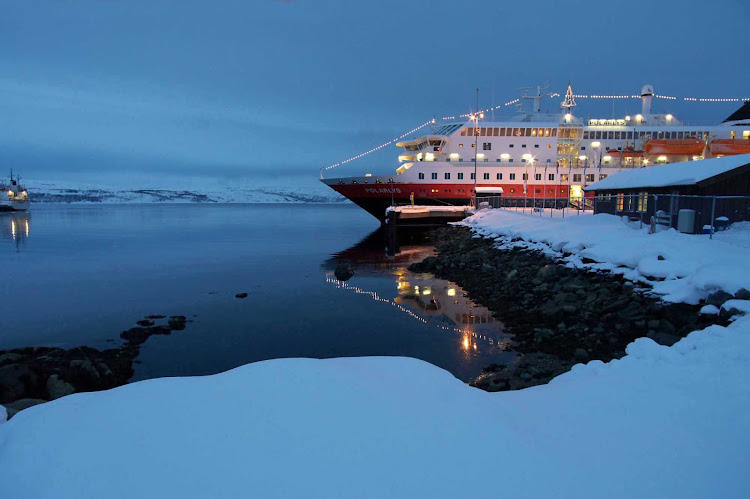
(475, 118)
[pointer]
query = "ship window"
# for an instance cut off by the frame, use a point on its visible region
(483, 132)
(549, 146)
(502, 132)
(517, 132)
(564, 177)
(585, 135)
(469, 132)
(460, 159)
(525, 176)
(434, 176)
(499, 176)
(598, 135)
(533, 132)
(463, 132)
(523, 146)
(630, 135)
(487, 146)
(523, 160)
(551, 176)
(538, 176)
(538, 191)
(549, 160)
(354, 181)
(546, 132)
(610, 135)
(421, 176)
(554, 132)
(390, 180)
(496, 132)
(528, 132)
(680, 135)
(602, 176)
(447, 176)
(377, 180)
(472, 176)
(510, 160)
(589, 177)
(576, 177)
(536, 146)
(460, 145)
(512, 177)
(512, 190)
(583, 148)
(460, 176)
(486, 176)
(510, 145)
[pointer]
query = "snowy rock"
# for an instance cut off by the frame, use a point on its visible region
(742, 294)
(343, 272)
(710, 310)
(57, 387)
(3, 414)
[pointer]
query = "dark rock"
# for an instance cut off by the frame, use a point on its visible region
(10, 357)
(241, 295)
(525, 376)
(156, 316)
(581, 355)
(660, 258)
(664, 338)
(145, 322)
(13, 380)
(176, 322)
(718, 298)
(57, 387)
(742, 294)
(343, 272)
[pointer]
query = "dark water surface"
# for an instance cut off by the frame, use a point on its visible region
(79, 275)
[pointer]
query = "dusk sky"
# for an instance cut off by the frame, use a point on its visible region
(238, 89)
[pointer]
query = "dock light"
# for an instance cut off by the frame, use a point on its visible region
(627, 118)
(454, 155)
(607, 158)
(669, 117)
(582, 158)
(505, 155)
(451, 292)
(661, 158)
(480, 155)
(568, 117)
(638, 118)
(596, 144)
(645, 161)
(527, 157)
(429, 156)
(368, 174)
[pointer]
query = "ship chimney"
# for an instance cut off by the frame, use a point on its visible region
(647, 93)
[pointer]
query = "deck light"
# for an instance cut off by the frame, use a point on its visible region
(505, 155)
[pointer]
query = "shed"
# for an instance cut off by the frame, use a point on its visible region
(719, 185)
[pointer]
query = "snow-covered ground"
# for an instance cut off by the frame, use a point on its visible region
(680, 267)
(660, 422)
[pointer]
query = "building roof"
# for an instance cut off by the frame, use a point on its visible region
(684, 173)
(742, 113)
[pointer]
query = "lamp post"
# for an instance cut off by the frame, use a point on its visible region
(475, 118)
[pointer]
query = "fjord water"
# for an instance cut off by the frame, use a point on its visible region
(80, 274)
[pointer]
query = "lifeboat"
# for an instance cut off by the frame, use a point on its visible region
(675, 147)
(729, 147)
(627, 152)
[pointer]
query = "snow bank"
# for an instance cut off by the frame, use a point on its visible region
(680, 267)
(661, 422)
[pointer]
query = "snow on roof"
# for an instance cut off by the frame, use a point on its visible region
(685, 173)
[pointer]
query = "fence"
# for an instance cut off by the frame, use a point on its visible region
(690, 214)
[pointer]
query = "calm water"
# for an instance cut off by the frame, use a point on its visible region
(79, 275)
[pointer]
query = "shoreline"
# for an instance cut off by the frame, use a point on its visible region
(558, 316)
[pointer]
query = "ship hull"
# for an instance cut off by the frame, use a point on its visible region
(375, 198)
(14, 206)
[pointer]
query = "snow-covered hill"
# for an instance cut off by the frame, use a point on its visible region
(75, 192)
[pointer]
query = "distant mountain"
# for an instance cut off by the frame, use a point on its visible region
(46, 192)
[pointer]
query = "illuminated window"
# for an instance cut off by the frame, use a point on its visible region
(564, 177)
(620, 201)
(589, 177)
(602, 176)
(525, 176)
(642, 201)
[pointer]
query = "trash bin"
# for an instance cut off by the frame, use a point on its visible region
(686, 221)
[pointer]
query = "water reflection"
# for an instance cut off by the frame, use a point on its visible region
(437, 303)
(16, 227)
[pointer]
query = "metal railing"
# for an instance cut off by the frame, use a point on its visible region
(686, 213)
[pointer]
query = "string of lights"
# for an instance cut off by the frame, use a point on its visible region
(515, 101)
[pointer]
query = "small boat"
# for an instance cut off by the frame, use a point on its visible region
(729, 147)
(675, 147)
(14, 197)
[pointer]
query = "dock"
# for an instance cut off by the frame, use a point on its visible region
(420, 216)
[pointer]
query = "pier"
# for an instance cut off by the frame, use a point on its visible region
(420, 216)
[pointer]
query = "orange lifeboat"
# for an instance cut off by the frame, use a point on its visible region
(729, 147)
(627, 152)
(675, 147)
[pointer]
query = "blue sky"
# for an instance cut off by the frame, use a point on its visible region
(242, 90)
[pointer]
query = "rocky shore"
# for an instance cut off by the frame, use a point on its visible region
(559, 316)
(33, 375)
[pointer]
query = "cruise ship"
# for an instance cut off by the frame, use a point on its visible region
(536, 155)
